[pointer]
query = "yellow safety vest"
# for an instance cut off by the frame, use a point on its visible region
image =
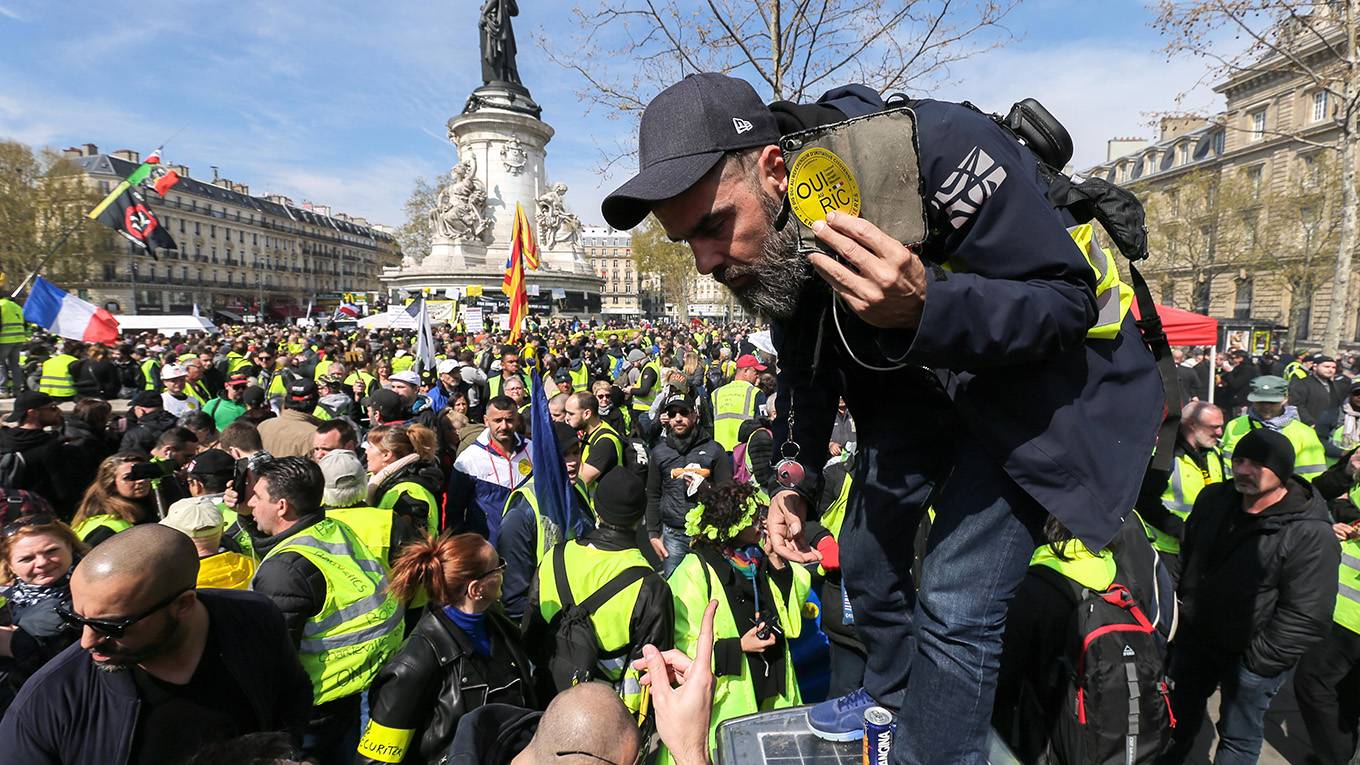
(1310, 460)
(236, 532)
(834, 517)
(148, 367)
(1347, 612)
(495, 384)
(604, 432)
(644, 403)
(12, 327)
(56, 377)
(1113, 296)
(364, 377)
(225, 571)
(1187, 481)
(372, 525)
(199, 392)
(580, 379)
(587, 570)
(693, 584)
(89, 525)
(322, 367)
(733, 404)
(359, 626)
(1094, 571)
(1294, 370)
(413, 489)
(546, 532)
(402, 363)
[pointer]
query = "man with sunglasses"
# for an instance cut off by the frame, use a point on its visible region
(161, 668)
(685, 457)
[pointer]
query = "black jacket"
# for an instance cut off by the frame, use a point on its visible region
(493, 735)
(40, 636)
(47, 466)
(97, 379)
(667, 501)
(426, 474)
(141, 434)
(436, 678)
(1318, 401)
(294, 583)
(73, 713)
(1261, 586)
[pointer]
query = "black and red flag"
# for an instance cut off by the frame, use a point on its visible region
(129, 215)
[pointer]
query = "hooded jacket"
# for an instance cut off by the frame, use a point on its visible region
(493, 735)
(1070, 420)
(48, 460)
(1261, 586)
(141, 435)
(668, 500)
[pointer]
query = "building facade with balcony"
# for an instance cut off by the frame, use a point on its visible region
(610, 253)
(1249, 186)
(238, 254)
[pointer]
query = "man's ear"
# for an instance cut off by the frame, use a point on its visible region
(774, 175)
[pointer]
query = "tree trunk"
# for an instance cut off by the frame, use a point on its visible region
(776, 51)
(1341, 280)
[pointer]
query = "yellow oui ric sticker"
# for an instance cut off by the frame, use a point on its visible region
(821, 182)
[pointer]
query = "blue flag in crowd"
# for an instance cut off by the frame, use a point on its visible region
(550, 473)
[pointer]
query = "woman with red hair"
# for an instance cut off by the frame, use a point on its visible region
(463, 653)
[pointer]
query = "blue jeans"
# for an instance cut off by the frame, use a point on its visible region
(677, 545)
(934, 655)
(1242, 706)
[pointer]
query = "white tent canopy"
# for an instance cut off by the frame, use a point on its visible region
(167, 324)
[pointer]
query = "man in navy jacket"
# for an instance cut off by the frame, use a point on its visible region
(187, 668)
(975, 388)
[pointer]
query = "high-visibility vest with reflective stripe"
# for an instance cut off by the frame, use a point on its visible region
(402, 363)
(226, 571)
(1113, 295)
(88, 526)
(1094, 571)
(199, 391)
(321, 413)
(364, 377)
(834, 517)
(389, 501)
(495, 384)
(1347, 612)
(643, 403)
(1295, 370)
(589, 569)
(546, 532)
(1187, 480)
(56, 377)
(597, 438)
(236, 532)
(733, 404)
(322, 367)
(580, 379)
(372, 525)
(1310, 460)
(12, 328)
(236, 362)
(359, 624)
(149, 379)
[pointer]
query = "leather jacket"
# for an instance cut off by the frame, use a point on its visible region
(436, 677)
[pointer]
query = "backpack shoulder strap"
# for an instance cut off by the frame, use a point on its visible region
(560, 575)
(613, 587)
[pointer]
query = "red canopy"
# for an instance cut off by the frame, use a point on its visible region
(1184, 327)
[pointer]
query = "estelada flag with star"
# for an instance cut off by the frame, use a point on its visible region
(129, 215)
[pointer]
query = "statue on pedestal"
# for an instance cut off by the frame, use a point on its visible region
(498, 42)
(555, 224)
(458, 208)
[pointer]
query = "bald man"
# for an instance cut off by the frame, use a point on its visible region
(161, 668)
(587, 723)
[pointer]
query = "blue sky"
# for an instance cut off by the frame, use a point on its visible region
(344, 103)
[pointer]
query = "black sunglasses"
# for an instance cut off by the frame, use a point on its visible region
(37, 519)
(114, 628)
(500, 567)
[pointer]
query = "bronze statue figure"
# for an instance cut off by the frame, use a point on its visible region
(498, 42)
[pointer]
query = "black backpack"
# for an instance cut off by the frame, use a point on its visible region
(574, 654)
(12, 468)
(1116, 706)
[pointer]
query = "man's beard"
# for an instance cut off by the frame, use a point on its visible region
(778, 274)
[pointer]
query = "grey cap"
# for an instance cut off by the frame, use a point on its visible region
(1268, 388)
(685, 130)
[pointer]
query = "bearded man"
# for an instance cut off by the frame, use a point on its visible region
(975, 388)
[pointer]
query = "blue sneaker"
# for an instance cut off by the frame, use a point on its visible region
(842, 718)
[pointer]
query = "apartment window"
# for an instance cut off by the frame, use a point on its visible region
(1242, 300)
(198, 229)
(1254, 177)
(212, 230)
(1320, 106)
(1174, 198)
(1312, 171)
(1258, 124)
(1202, 293)
(181, 225)
(1183, 154)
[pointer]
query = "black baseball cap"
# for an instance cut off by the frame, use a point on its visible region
(302, 389)
(213, 462)
(685, 130)
(27, 402)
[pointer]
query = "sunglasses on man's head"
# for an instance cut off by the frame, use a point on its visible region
(37, 519)
(114, 628)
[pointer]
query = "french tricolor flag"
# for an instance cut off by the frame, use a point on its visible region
(66, 315)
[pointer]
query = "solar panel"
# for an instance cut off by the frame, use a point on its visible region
(782, 737)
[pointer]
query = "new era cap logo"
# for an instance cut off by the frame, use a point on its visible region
(741, 125)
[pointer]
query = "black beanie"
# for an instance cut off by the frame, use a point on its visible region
(620, 498)
(566, 437)
(1269, 449)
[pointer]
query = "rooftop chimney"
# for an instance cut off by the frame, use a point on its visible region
(129, 155)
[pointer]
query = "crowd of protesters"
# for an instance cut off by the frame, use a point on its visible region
(308, 542)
